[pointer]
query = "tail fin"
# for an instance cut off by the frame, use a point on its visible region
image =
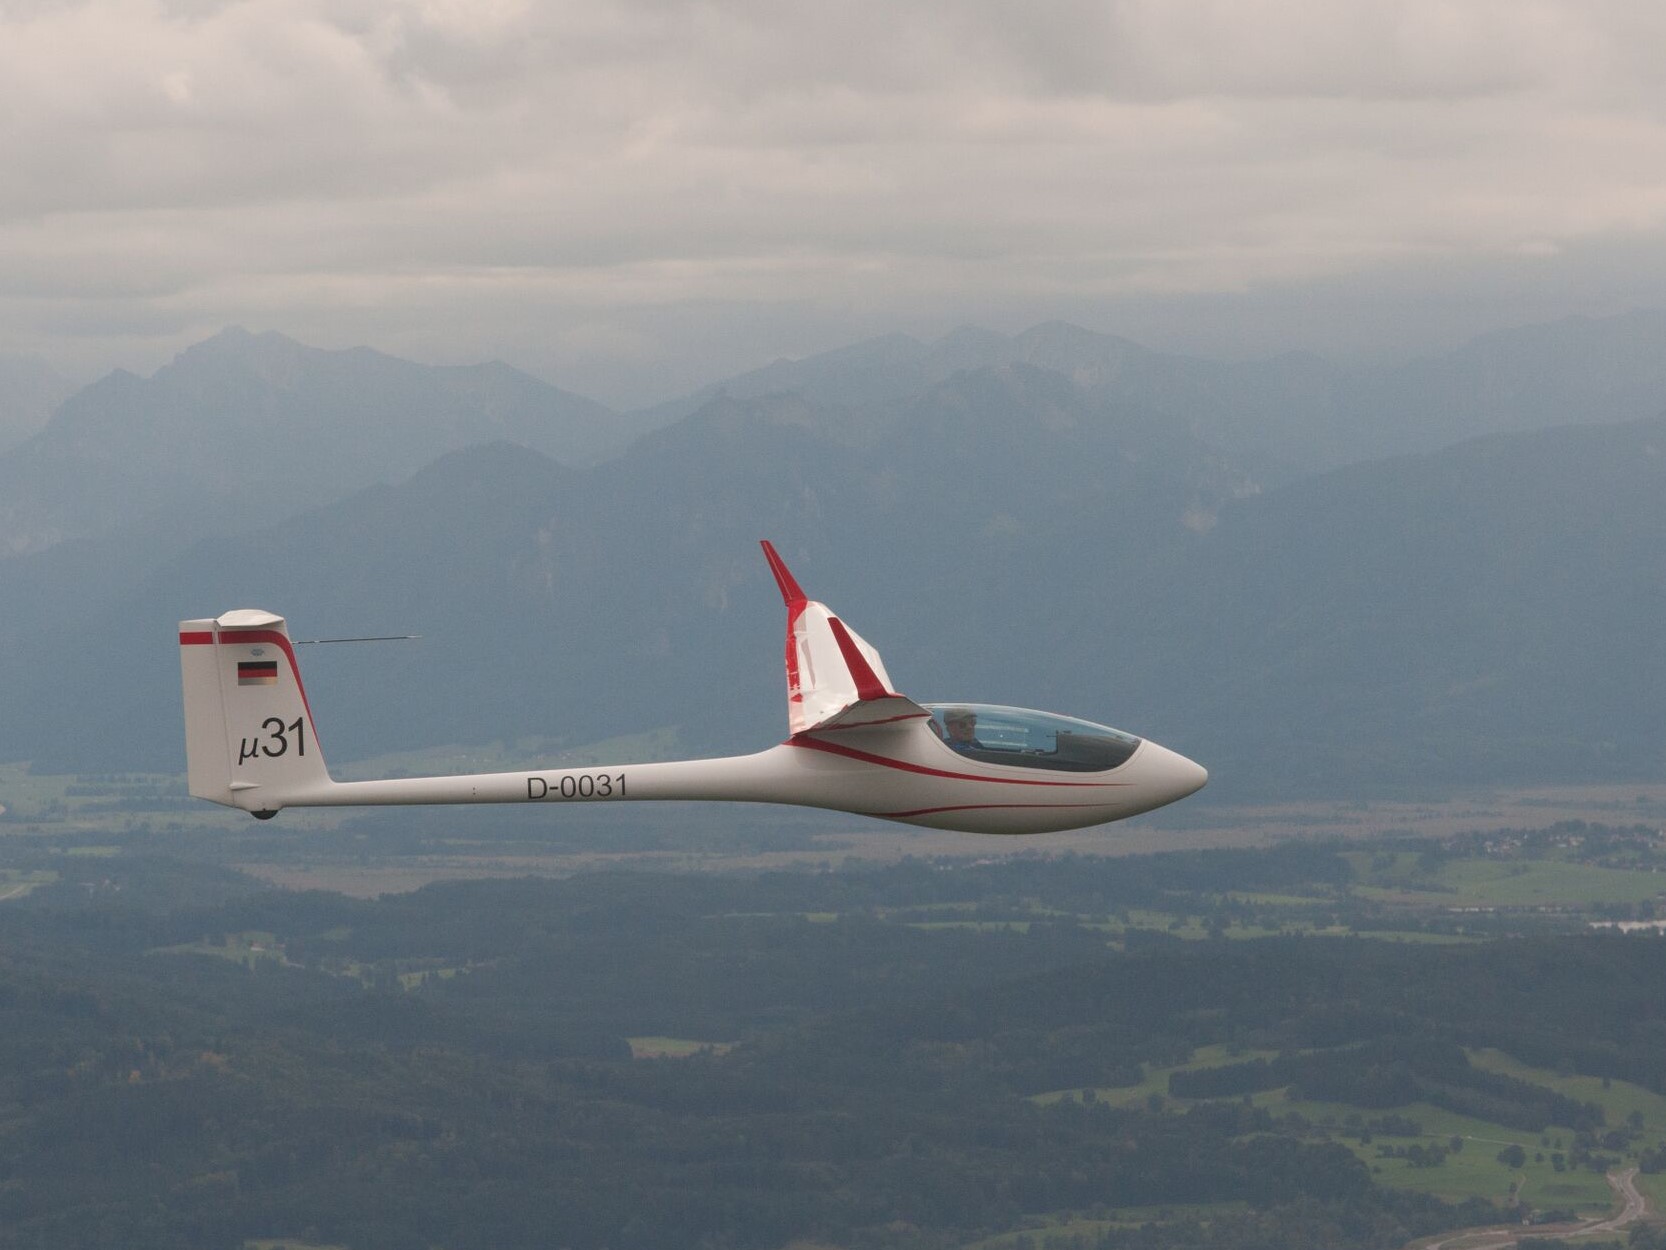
(249, 737)
(835, 679)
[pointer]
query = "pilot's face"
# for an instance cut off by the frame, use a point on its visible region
(962, 728)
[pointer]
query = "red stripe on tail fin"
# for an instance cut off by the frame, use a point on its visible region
(790, 589)
(868, 685)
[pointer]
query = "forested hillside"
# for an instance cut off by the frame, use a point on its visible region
(923, 1055)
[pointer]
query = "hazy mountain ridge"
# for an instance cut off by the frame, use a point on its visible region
(1489, 609)
(272, 425)
(1296, 413)
(29, 390)
(1576, 370)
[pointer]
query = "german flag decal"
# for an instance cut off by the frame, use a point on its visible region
(257, 672)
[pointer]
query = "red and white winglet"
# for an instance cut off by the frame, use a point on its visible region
(835, 679)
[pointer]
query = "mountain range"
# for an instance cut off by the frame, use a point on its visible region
(261, 425)
(29, 391)
(1296, 412)
(1316, 580)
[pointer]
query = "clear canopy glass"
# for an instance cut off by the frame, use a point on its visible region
(1027, 739)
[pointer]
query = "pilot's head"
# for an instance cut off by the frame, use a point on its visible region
(962, 724)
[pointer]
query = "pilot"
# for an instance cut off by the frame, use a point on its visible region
(962, 724)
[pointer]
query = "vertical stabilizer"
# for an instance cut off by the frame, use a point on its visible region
(249, 736)
(833, 674)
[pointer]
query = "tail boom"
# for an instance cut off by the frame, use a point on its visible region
(755, 778)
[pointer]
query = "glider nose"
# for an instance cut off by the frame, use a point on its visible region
(1173, 775)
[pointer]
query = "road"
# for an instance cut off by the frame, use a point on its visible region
(1633, 1207)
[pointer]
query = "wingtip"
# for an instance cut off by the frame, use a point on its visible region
(791, 592)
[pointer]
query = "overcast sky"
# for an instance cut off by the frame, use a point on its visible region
(631, 197)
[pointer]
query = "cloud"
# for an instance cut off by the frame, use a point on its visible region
(615, 170)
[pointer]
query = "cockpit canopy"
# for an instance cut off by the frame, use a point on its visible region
(1026, 739)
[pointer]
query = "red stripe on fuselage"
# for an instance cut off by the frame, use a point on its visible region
(980, 807)
(835, 748)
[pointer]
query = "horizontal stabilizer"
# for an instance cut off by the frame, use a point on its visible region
(893, 709)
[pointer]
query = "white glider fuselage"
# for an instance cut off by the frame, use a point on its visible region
(923, 783)
(855, 746)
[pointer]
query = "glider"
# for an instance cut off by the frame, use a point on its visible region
(854, 745)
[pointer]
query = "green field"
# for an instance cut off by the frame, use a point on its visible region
(674, 1047)
(1619, 1100)
(1088, 1227)
(248, 948)
(1276, 900)
(1436, 939)
(411, 980)
(1504, 882)
(1473, 1171)
(1539, 882)
(17, 882)
(979, 926)
(1653, 1187)
(1157, 1079)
